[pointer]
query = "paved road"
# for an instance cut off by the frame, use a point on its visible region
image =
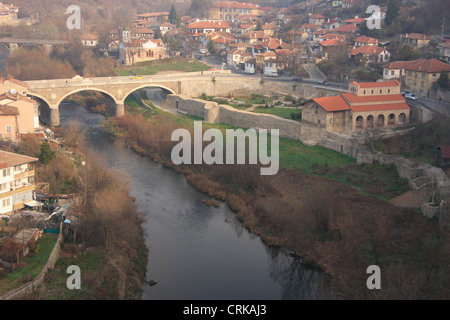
(437, 107)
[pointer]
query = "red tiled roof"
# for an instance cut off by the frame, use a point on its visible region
(429, 66)
(445, 150)
(365, 39)
(416, 36)
(272, 44)
(333, 42)
(335, 103)
(6, 110)
(317, 16)
(379, 84)
(367, 49)
(353, 98)
(356, 20)
(209, 25)
(309, 26)
(346, 28)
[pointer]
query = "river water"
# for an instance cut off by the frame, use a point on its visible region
(198, 252)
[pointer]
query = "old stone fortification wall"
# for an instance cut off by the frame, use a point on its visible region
(29, 287)
(214, 113)
(419, 175)
(239, 86)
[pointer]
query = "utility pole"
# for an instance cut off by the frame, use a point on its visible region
(443, 27)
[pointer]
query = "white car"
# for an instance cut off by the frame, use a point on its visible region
(410, 96)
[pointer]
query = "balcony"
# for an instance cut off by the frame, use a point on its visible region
(28, 173)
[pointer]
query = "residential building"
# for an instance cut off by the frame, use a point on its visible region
(208, 26)
(28, 111)
(364, 41)
(8, 123)
(89, 40)
(370, 54)
(254, 37)
(416, 40)
(156, 18)
(261, 58)
(231, 10)
(421, 76)
(367, 105)
(8, 13)
(17, 181)
(328, 47)
(395, 70)
(250, 66)
(236, 57)
(444, 51)
(316, 19)
(166, 26)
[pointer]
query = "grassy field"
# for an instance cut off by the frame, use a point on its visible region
(31, 265)
(281, 112)
(182, 66)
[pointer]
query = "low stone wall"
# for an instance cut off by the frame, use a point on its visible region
(29, 287)
(214, 113)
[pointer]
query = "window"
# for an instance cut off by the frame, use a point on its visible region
(389, 90)
(392, 72)
(331, 120)
(434, 75)
(371, 92)
(8, 129)
(6, 172)
(381, 91)
(364, 91)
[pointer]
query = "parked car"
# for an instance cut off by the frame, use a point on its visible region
(296, 79)
(138, 77)
(271, 73)
(410, 96)
(323, 82)
(404, 92)
(198, 57)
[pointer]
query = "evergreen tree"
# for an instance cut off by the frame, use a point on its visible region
(173, 17)
(46, 154)
(443, 80)
(392, 12)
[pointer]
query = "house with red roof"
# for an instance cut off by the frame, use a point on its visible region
(317, 19)
(416, 40)
(367, 105)
(364, 41)
(346, 29)
(422, 75)
(208, 26)
(370, 54)
(328, 47)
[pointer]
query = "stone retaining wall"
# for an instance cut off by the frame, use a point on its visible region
(29, 287)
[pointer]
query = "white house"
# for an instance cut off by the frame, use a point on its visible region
(250, 66)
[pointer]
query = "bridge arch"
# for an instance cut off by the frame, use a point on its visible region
(150, 85)
(111, 95)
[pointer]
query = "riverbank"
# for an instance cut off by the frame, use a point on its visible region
(332, 225)
(106, 239)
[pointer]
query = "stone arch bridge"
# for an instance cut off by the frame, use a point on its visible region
(214, 83)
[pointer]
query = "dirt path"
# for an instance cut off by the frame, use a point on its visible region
(410, 199)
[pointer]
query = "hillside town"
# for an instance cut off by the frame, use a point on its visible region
(97, 99)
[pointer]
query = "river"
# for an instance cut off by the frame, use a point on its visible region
(197, 252)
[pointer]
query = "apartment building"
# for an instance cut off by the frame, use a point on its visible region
(232, 10)
(17, 181)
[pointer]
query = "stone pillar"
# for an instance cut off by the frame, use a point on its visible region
(54, 117)
(120, 110)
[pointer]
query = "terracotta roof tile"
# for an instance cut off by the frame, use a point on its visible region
(335, 103)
